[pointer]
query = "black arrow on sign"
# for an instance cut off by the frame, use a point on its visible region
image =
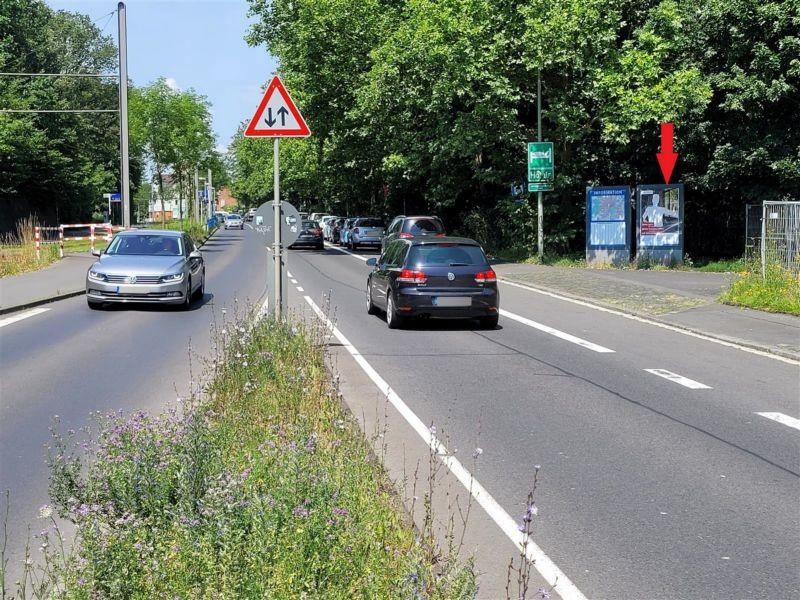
(283, 112)
(270, 121)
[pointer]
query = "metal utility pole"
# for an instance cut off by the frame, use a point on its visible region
(196, 204)
(276, 247)
(125, 188)
(209, 191)
(540, 204)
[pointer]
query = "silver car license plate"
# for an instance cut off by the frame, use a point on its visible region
(452, 301)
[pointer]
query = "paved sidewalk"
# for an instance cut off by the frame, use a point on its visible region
(684, 299)
(64, 278)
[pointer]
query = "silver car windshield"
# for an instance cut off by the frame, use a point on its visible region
(146, 245)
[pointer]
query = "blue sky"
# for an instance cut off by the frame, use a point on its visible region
(195, 44)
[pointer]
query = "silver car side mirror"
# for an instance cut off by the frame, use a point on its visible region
(195, 254)
(96, 252)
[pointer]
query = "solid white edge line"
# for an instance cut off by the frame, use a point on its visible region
(27, 314)
(544, 565)
(619, 313)
(559, 334)
(332, 247)
(781, 418)
(250, 226)
(294, 281)
(679, 379)
(289, 274)
(299, 289)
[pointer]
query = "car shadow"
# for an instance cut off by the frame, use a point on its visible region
(146, 307)
(428, 324)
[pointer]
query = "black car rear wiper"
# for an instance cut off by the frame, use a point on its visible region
(458, 264)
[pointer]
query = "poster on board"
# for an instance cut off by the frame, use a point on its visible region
(608, 224)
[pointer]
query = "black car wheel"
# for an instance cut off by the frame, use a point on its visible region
(393, 320)
(187, 297)
(201, 291)
(490, 322)
(371, 310)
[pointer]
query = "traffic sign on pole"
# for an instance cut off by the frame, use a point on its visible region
(541, 170)
(277, 115)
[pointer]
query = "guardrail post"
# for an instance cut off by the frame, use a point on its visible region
(37, 233)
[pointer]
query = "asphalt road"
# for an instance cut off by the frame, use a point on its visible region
(649, 489)
(71, 361)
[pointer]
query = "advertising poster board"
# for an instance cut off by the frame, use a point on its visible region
(608, 224)
(659, 222)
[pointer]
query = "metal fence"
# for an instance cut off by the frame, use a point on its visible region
(773, 234)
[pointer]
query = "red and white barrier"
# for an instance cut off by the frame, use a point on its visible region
(109, 228)
(94, 234)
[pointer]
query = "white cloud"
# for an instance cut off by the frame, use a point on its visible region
(172, 84)
(222, 148)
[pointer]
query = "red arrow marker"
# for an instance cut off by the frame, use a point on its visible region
(667, 157)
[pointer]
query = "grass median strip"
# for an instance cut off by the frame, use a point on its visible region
(264, 489)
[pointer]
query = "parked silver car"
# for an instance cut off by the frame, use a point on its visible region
(366, 231)
(147, 265)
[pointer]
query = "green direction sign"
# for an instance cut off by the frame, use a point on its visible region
(541, 171)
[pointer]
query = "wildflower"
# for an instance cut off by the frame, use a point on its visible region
(537, 467)
(433, 430)
(533, 510)
(342, 512)
(301, 512)
(477, 453)
(265, 355)
(543, 593)
(244, 364)
(46, 511)
(521, 528)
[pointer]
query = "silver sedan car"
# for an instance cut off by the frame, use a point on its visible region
(147, 265)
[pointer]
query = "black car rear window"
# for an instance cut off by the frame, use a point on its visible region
(310, 225)
(446, 255)
(425, 226)
(370, 223)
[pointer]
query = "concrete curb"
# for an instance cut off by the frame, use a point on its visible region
(39, 302)
(64, 295)
(641, 315)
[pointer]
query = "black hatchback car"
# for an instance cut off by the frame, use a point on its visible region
(447, 277)
(409, 227)
(310, 236)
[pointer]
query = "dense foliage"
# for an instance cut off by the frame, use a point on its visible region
(426, 105)
(56, 165)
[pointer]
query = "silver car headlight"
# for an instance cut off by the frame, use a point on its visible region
(96, 275)
(173, 278)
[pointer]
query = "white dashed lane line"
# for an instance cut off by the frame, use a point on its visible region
(21, 316)
(559, 334)
(299, 289)
(781, 418)
(679, 379)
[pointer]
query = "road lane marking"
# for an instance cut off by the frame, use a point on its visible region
(546, 567)
(294, 281)
(250, 226)
(559, 334)
(21, 316)
(299, 289)
(680, 379)
(625, 315)
(358, 256)
(781, 418)
(289, 273)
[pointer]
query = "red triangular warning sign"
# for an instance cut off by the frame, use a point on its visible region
(277, 115)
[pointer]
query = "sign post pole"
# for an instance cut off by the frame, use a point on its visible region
(276, 247)
(540, 204)
(277, 117)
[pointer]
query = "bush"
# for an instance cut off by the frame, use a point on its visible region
(265, 489)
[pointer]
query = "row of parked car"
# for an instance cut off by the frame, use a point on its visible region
(421, 271)
(356, 232)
